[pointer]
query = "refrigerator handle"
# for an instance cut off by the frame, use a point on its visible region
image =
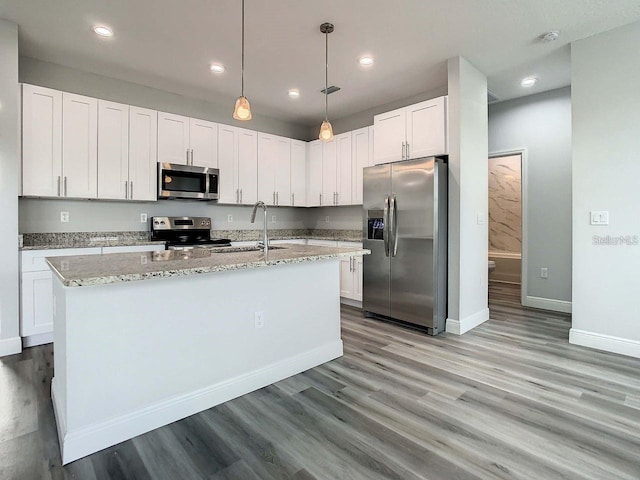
(394, 225)
(385, 226)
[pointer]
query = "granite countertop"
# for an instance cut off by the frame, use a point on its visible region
(86, 270)
(51, 241)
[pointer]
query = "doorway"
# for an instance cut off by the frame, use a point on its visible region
(507, 239)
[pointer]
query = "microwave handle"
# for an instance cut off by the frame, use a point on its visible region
(207, 184)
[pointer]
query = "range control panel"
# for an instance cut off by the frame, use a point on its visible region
(180, 223)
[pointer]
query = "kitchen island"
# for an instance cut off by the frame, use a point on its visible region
(144, 339)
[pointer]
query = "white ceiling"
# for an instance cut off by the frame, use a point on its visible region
(169, 44)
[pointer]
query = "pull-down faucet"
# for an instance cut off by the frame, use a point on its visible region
(264, 243)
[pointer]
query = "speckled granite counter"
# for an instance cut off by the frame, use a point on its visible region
(48, 241)
(80, 271)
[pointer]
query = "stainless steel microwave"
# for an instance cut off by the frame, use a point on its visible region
(187, 181)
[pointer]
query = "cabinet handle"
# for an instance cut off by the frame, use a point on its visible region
(65, 186)
(293, 199)
(240, 195)
(59, 178)
(277, 198)
(274, 198)
(131, 191)
(187, 156)
(407, 150)
(353, 262)
(126, 190)
(320, 199)
(403, 149)
(192, 156)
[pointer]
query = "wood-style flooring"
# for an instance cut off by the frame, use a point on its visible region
(509, 400)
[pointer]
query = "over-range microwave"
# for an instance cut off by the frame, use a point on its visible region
(187, 181)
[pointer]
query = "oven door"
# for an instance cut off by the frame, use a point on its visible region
(187, 181)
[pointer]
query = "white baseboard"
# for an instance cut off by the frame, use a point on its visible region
(458, 327)
(350, 302)
(88, 440)
(10, 346)
(548, 304)
(607, 343)
(34, 340)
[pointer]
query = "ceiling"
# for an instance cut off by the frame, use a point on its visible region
(170, 44)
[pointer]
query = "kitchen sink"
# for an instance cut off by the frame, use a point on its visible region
(242, 249)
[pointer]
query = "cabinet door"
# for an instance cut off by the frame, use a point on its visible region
(79, 146)
(41, 141)
(390, 133)
(267, 168)
(113, 150)
(314, 181)
(371, 146)
(143, 154)
(359, 161)
(426, 128)
(203, 141)
(283, 171)
(173, 138)
(36, 297)
(229, 192)
(248, 166)
(344, 169)
(346, 278)
(298, 173)
(357, 279)
(329, 172)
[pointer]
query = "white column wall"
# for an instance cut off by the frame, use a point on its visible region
(606, 176)
(9, 181)
(468, 196)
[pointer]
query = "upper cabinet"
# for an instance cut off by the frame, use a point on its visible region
(143, 154)
(187, 141)
(274, 169)
(41, 141)
(344, 169)
(238, 164)
(361, 157)
(314, 174)
(298, 173)
(415, 131)
(113, 150)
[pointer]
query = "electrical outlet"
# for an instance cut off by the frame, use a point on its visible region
(258, 321)
(230, 218)
(273, 219)
(64, 217)
(600, 218)
(143, 218)
(544, 272)
(326, 219)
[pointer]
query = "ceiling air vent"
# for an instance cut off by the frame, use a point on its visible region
(491, 98)
(330, 90)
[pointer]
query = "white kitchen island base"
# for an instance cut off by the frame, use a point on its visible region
(134, 356)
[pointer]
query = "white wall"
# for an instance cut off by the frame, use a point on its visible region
(468, 196)
(606, 176)
(541, 124)
(9, 181)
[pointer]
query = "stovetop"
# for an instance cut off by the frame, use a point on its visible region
(182, 233)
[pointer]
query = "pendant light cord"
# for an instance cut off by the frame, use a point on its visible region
(326, 76)
(242, 69)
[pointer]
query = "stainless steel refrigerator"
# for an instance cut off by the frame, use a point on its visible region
(405, 227)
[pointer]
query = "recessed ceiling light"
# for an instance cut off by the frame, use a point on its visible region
(294, 93)
(366, 61)
(103, 31)
(217, 68)
(529, 82)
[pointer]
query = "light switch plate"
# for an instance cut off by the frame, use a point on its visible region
(599, 217)
(480, 218)
(143, 218)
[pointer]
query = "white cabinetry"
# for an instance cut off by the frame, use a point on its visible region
(415, 131)
(36, 288)
(314, 178)
(274, 169)
(343, 169)
(361, 157)
(329, 171)
(143, 154)
(79, 146)
(113, 150)
(350, 269)
(238, 164)
(298, 173)
(41, 141)
(187, 141)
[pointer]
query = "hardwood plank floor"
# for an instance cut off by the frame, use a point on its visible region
(509, 400)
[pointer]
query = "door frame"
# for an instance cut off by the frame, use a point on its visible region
(524, 173)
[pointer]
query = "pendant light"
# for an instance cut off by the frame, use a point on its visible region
(242, 111)
(326, 130)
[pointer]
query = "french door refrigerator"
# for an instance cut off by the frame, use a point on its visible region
(405, 227)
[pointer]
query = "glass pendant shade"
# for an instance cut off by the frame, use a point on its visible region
(243, 109)
(326, 131)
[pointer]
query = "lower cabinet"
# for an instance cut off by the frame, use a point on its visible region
(350, 270)
(36, 288)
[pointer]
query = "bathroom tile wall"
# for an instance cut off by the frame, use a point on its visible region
(505, 204)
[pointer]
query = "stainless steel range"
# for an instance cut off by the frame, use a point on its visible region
(185, 233)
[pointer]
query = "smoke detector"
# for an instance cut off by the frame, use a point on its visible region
(549, 37)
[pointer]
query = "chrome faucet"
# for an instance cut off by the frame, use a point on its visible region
(264, 243)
